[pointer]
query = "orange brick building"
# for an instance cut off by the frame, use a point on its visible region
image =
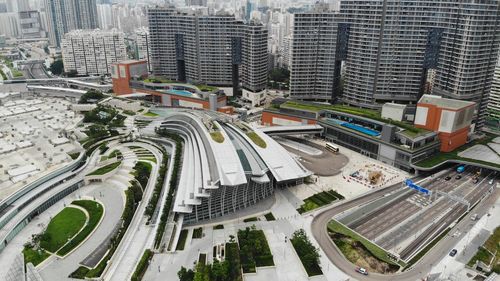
(450, 118)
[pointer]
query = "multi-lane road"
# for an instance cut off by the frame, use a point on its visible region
(320, 222)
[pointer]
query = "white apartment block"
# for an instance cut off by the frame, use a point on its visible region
(92, 52)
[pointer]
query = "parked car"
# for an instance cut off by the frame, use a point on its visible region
(453, 252)
(457, 177)
(474, 217)
(491, 181)
(361, 270)
(447, 178)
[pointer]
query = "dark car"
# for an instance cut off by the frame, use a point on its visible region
(453, 252)
(475, 180)
(447, 178)
(457, 177)
(361, 270)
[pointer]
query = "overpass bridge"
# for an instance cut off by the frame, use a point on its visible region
(292, 130)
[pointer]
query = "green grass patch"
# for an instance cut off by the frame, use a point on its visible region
(269, 217)
(206, 88)
(33, 256)
(129, 112)
(74, 155)
(217, 137)
(257, 139)
(142, 266)
(150, 114)
(106, 169)
(61, 228)
(250, 219)
(197, 233)
(115, 153)
(96, 212)
(492, 245)
(376, 251)
(182, 240)
(453, 155)
(318, 200)
(80, 273)
(254, 250)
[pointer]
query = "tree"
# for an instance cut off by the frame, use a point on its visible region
(57, 67)
(185, 275)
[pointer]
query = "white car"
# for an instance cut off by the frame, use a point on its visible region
(491, 181)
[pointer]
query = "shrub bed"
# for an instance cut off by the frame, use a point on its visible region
(254, 250)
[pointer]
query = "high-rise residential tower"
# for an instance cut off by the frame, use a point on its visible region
(196, 47)
(92, 52)
(494, 98)
(312, 58)
(385, 50)
(66, 15)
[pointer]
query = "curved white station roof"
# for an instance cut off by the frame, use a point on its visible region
(208, 164)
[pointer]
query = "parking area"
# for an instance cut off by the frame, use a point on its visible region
(403, 222)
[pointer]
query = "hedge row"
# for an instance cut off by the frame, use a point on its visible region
(153, 202)
(142, 266)
(173, 182)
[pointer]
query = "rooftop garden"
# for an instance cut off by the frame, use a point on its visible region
(106, 169)
(453, 155)
(362, 112)
(217, 136)
(158, 80)
(206, 88)
(257, 139)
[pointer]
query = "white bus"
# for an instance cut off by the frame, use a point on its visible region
(333, 148)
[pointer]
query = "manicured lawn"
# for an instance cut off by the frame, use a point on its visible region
(254, 250)
(375, 250)
(95, 211)
(269, 217)
(34, 256)
(318, 200)
(106, 169)
(150, 114)
(217, 137)
(61, 228)
(197, 233)
(257, 139)
(182, 240)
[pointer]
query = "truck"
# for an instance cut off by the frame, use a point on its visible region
(461, 169)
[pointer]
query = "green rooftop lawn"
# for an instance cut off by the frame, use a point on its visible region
(158, 80)
(61, 228)
(453, 155)
(217, 137)
(206, 88)
(106, 169)
(367, 113)
(150, 114)
(257, 139)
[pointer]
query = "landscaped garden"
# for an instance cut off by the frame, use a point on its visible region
(257, 139)
(31, 255)
(62, 228)
(318, 200)
(489, 252)
(254, 250)
(308, 254)
(182, 240)
(106, 169)
(197, 233)
(95, 212)
(360, 251)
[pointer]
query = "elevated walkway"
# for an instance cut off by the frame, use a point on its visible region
(292, 130)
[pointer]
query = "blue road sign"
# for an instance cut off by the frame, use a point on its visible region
(418, 188)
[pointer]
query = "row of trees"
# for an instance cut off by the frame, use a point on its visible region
(179, 144)
(153, 202)
(227, 270)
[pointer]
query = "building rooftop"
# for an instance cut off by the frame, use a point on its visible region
(445, 103)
